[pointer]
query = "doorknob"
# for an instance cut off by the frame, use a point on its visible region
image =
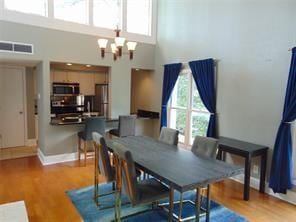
(21, 112)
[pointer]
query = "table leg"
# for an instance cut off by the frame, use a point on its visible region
(263, 172)
(247, 177)
(208, 204)
(171, 207)
(219, 155)
(197, 205)
(223, 156)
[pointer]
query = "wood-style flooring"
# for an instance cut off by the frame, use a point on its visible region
(43, 190)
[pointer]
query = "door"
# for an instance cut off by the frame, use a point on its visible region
(12, 127)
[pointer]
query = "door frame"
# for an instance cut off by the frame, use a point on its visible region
(24, 97)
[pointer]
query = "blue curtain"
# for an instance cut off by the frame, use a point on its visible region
(282, 166)
(171, 73)
(203, 72)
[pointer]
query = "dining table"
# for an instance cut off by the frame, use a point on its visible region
(178, 168)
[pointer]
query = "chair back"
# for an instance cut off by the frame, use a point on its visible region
(125, 166)
(103, 157)
(169, 136)
(205, 146)
(127, 125)
(94, 124)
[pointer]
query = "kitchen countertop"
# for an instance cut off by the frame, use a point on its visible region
(60, 121)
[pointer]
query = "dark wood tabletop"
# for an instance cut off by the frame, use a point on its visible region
(179, 168)
(237, 145)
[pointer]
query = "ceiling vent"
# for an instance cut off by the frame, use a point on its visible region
(16, 47)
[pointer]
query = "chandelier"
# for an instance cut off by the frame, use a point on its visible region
(116, 47)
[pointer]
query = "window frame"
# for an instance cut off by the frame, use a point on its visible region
(189, 109)
(50, 22)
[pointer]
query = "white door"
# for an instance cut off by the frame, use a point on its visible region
(12, 115)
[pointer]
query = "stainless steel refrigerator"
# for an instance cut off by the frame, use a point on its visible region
(101, 99)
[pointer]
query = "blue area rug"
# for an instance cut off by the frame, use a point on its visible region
(84, 203)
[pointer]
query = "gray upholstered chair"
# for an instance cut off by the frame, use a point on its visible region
(205, 146)
(202, 146)
(94, 124)
(169, 136)
(103, 166)
(126, 126)
(139, 192)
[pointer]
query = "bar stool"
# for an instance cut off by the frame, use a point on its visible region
(126, 126)
(94, 124)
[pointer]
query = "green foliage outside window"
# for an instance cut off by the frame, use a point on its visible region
(199, 120)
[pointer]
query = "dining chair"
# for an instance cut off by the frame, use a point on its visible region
(205, 146)
(169, 136)
(93, 124)
(202, 146)
(139, 192)
(126, 126)
(103, 166)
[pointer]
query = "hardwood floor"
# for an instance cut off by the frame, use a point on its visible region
(43, 189)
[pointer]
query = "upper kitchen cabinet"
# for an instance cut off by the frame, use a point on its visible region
(101, 78)
(60, 76)
(86, 76)
(73, 77)
(87, 83)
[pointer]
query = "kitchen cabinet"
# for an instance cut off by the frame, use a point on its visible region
(73, 77)
(86, 80)
(87, 84)
(60, 76)
(101, 78)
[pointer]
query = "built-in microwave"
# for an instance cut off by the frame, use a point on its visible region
(65, 89)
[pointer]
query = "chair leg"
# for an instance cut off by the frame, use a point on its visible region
(85, 148)
(79, 148)
(96, 176)
(180, 207)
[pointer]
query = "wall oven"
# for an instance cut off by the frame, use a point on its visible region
(65, 89)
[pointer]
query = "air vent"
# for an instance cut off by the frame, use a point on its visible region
(5, 46)
(16, 47)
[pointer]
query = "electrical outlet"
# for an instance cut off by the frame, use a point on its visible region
(255, 169)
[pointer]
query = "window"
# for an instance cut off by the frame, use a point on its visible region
(186, 111)
(72, 10)
(107, 13)
(38, 7)
(139, 16)
(99, 17)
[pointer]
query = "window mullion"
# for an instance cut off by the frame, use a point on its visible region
(188, 113)
(91, 12)
(50, 9)
(124, 15)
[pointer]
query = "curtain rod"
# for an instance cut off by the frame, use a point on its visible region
(187, 63)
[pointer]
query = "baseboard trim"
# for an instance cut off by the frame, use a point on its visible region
(254, 183)
(54, 159)
(31, 142)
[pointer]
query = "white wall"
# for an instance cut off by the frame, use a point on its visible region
(59, 46)
(250, 38)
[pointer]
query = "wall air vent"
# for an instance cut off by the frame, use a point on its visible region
(16, 47)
